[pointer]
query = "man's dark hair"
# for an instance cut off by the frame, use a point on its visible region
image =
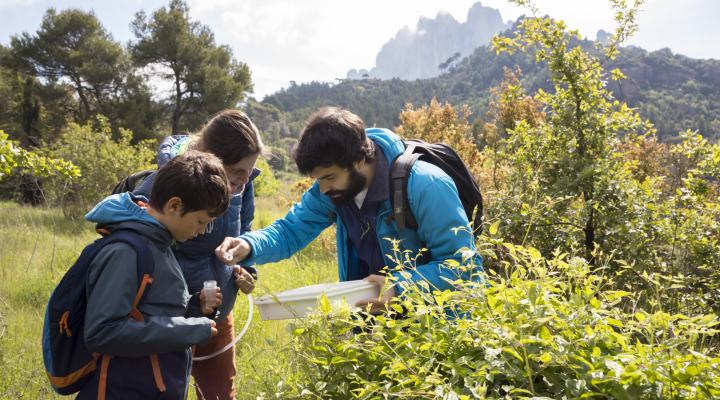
(198, 179)
(231, 136)
(332, 136)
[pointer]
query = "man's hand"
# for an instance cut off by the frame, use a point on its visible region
(208, 304)
(387, 296)
(213, 328)
(243, 280)
(233, 250)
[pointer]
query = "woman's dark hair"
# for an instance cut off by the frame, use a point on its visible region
(231, 136)
(332, 136)
(198, 179)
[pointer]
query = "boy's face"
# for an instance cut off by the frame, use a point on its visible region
(186, 226)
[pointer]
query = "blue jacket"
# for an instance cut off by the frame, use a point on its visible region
(111, 287)
(197, 256)
(433, 200)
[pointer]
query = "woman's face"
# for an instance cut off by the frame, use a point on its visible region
(239, 173)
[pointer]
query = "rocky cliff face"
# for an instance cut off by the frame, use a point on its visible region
(418, 53)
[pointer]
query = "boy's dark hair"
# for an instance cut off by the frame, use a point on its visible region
(231, 136)
(332, 136)
(198, 179)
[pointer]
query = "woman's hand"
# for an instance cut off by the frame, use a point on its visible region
(243, 280)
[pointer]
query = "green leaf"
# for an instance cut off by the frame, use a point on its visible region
(513, 352)
(494, 228)
(325, 306)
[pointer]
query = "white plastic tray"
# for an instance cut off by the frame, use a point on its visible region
(297, 303)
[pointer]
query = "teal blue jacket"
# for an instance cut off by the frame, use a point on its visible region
(433, 200)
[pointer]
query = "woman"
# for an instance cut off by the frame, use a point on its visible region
(232, 137)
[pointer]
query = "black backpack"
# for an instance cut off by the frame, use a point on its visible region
(132, 181)
(444, 157)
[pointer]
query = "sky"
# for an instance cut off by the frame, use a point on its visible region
(306, 40)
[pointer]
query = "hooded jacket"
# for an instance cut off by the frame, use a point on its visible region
(197, 256)
(111, 287)
(433, 200)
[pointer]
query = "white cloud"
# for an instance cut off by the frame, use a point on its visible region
(14, 3)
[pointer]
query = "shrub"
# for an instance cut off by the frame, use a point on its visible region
(265, 184)
(14, 158)
(545, 329)
(103, 163)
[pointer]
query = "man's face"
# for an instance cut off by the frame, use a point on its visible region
(340, 184)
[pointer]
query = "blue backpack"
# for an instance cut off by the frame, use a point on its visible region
(68, 363)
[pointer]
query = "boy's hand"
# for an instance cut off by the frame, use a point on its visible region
(387, 296)
(209, 304)
(213, 328)
(233, 250)
(243, 280)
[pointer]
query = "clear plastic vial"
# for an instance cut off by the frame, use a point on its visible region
(209, 290)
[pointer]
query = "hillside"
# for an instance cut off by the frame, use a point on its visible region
(675, 92)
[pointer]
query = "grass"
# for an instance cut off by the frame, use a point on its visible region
(37, 245)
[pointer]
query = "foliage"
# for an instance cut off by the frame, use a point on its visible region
(441, 123)
(14, 159)
(102, 160)
(547, 329)
(73, 49)
(265, 184)
(205, 77)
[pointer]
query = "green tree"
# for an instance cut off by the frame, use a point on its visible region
(205, 77)
(571, 158)
(73, 49)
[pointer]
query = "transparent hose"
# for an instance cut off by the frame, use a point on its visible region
(237, 338)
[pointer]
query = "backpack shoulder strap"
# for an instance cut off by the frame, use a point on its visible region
(145, 269)
(399, 173)
(145, 263)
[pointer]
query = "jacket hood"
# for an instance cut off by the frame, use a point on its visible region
(118, 208)
(392, 145)
(121, 211)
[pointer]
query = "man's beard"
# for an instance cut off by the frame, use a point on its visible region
(356, 185)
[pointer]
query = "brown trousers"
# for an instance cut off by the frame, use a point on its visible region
(215, 378)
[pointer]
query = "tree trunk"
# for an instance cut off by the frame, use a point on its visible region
(84, 104)
(177, 112)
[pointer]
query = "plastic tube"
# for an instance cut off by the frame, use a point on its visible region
(237, 338)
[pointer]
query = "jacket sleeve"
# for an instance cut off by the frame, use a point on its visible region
(166, 150)
(436, 205)
(112, 285)
(145, 187)
(292, 233)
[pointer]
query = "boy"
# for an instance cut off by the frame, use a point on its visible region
(150, 356)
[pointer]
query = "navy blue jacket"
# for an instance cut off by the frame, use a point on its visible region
(197, 256)
(433, 200)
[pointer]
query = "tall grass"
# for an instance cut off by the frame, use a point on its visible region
(37, 246)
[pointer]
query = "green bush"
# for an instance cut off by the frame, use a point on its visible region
(265, 184)
(14, 158)
(546, 328)
(103, 162)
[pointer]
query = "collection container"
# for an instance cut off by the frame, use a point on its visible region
(298, 302)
